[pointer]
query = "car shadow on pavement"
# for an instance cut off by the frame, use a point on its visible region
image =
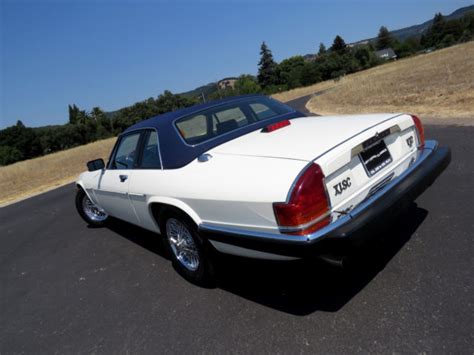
(298, 287)
(304, 287)
(142, 237)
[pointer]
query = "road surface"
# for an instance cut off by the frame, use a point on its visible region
(65, 287)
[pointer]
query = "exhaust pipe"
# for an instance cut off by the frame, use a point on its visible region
(334, 260)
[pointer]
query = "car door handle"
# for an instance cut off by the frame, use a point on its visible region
(123, 178)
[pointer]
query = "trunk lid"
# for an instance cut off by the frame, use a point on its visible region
(305, 139)
(358, 154)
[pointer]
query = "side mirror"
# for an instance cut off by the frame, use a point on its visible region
(97, 164)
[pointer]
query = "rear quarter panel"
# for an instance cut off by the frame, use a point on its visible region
(227, 189)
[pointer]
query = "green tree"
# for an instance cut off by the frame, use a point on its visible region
(406, 48)
(23, 139)
(167, 102)
(322, 49)
(447, 41)
(97, 114)
(9, 155)
(363, 54)
(466, 36)
(73, 114)
(338, 45)
(247, 84)
(266, 67)
(310, 73)
(289, 71)
(384, 38)
(435, 33)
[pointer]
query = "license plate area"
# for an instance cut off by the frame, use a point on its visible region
(375, 157)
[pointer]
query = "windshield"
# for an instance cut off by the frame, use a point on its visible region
(222, 119)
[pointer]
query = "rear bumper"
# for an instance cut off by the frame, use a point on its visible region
(351, 229)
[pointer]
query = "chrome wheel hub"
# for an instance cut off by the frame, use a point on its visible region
(182, 244)
(93, 211)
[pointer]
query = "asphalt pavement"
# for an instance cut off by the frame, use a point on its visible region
(69, 288)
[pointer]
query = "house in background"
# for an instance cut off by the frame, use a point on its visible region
(226, 83)
(386, 54)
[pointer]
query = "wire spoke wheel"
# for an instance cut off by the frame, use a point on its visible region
(92, 211)
(182, 244)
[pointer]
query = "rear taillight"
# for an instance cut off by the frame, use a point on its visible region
(420, 130)
(308, 208)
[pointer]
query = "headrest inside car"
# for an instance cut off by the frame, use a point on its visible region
(226, 126)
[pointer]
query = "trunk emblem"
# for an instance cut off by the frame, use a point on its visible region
(340, 187)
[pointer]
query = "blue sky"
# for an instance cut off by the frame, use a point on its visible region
(113, 53)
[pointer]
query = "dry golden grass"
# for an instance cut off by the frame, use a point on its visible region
(438, 86)
(33, 176)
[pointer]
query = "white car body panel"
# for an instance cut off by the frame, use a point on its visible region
(232, 201)
(238, 185)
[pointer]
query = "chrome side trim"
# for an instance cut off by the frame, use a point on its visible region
(136, 194)
(248, 253)
(430, 146)
(111, 192)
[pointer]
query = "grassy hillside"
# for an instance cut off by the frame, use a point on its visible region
(437, 85)
(33, 176)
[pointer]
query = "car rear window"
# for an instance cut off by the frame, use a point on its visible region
(222, 119)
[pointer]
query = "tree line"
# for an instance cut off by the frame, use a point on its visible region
(19, 142)
(341, 59)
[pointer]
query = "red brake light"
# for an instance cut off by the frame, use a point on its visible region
(308, 207)
(274, 126)
(420, 129)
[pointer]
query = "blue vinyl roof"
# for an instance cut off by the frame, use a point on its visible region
(175, 153)
(167, 118)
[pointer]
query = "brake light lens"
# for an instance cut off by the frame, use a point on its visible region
(308, 208)
(274, 126)
(420, 130)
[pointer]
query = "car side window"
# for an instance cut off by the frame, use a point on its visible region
(151, 155)
(125, 155)
(262, 111)
(228, 120)
(194, 127)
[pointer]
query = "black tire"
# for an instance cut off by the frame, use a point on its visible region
(204, 274)
(81, 196)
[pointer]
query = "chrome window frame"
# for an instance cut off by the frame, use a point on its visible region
(141, 130)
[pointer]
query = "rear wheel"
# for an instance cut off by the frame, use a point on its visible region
(89, 211)
(189, 252)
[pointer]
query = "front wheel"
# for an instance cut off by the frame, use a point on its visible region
(89, 211)
(190, 254)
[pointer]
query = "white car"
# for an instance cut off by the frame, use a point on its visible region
(252, 177)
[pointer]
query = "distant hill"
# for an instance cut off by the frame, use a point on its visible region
(205, 89)
(417, 30)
